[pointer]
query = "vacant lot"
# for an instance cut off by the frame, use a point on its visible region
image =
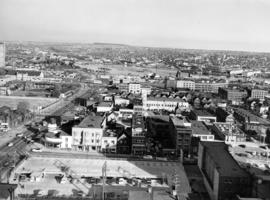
(133, 70)
(34, 102)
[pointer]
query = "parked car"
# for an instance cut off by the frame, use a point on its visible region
(148, 157)
(19, 135)
(242, 145)
(37, 150)
(10, 144)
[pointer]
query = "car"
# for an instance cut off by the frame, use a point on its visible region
(148, 157)
(36, 150)
(10, 144)
(242, 145)
(19, 135)
(263, 147)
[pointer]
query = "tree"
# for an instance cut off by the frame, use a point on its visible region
(23, 107)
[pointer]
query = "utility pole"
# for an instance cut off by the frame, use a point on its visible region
(104, 176)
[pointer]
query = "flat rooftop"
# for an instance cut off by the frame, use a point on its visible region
(199, 128)
(105, 104)
(252, 118)
(180, 121)
(91, 122)
(225, 163)
(202, 113)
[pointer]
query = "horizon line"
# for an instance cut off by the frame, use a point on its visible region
(140, 46)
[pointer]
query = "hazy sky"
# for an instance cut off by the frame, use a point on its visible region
(208, 24)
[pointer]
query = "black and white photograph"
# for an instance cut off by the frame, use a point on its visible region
(134, 99)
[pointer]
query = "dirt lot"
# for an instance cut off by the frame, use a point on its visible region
(133, 70)
(34, 102)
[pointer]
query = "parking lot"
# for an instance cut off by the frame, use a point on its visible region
(81, 174)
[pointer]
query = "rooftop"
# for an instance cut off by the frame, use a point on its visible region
(180, 121)
(199, 128)
(151, 98)
(91, 122)
(224, 128)
(202, 113)
(252, 118)
(105, 104)
(224, 162)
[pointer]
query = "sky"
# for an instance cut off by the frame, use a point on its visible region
(197, 24)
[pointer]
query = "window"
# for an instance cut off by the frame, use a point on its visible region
(92, 141)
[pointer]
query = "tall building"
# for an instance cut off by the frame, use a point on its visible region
(2, 54)
(181, 133)
(223, 177)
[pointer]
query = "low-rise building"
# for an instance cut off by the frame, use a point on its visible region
(199, 130)
(165, 103)
(234, 95)
(109, 142)
(228, 132)
(187, 84)
(88, 134)
(203, 116)
(212, 85)
(134, 88)
(249, 120)
(223, 177)
(258, 94)
(104, 107)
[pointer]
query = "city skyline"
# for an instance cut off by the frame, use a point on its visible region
(218, 25)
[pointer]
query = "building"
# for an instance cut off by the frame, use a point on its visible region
(223, 177)
(104, 107)
(199, 133)
(109, 142)
(121, 101)
(181, 133)
(199, 130)
(181, 74)
(228, 132)
(234, 95)
(123, 87)
(258, 94)
(88, 134)
(134, 88)
(187, 84)
(203, 116)
(212, 85)
(249, 120)
(138, 146)
(165, 103)
(2, 54)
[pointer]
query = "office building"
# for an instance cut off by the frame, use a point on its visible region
(180, 133)
(138, 146)
(223, 177)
